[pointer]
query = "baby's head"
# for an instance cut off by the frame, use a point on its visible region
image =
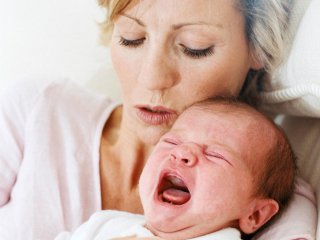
(223, 164)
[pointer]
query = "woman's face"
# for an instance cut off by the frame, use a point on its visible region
(169, 54)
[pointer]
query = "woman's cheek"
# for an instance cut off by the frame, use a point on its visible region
(124, 68)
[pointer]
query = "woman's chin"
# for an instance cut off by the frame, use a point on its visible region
(148, 127)
(154, 121)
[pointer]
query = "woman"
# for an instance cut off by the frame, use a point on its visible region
(66, 153)
(175, 54)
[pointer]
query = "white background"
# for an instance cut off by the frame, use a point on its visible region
(51, 38)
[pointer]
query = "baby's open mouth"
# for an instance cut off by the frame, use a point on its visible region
(173, 190)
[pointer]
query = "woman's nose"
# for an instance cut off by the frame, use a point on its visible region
(185, 154)
(157, 70)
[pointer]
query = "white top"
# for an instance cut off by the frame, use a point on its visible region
(49, 158)
(114, 224)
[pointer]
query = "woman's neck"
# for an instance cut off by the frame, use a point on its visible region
(122, 158)
(123, 144)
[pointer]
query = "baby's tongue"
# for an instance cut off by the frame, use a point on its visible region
(176, 196)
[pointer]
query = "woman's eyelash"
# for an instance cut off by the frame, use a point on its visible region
(194, 53)
(131, 43)
(198, 53)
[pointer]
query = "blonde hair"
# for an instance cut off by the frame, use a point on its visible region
(114, 8)
(266, 27)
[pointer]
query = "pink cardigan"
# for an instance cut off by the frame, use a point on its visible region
(49, 158)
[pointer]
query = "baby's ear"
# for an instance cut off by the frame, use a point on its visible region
(260, 212)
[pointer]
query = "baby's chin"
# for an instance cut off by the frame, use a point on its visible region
(181, 230)
(178, 232)
(174, 235)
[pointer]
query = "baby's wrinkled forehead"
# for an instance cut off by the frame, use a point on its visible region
(228, 110)
(254, 127)
(221, 111)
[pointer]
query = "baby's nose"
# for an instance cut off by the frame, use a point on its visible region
(185, 154)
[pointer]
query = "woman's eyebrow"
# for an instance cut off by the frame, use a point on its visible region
(177, 26)
(138, 21)
(180, 25)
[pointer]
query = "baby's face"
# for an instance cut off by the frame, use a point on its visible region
(197, 180)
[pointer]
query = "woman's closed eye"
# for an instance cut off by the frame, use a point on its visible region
(131, 43)
(190, 52)
(197, 53)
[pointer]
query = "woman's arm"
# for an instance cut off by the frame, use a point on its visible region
(16, 102)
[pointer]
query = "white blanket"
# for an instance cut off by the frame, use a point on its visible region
(116, 224)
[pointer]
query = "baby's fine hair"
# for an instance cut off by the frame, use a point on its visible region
(266, 26)
(276, 180)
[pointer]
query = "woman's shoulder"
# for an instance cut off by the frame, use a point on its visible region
(30, 86)
(57, 99)
(57, 91)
